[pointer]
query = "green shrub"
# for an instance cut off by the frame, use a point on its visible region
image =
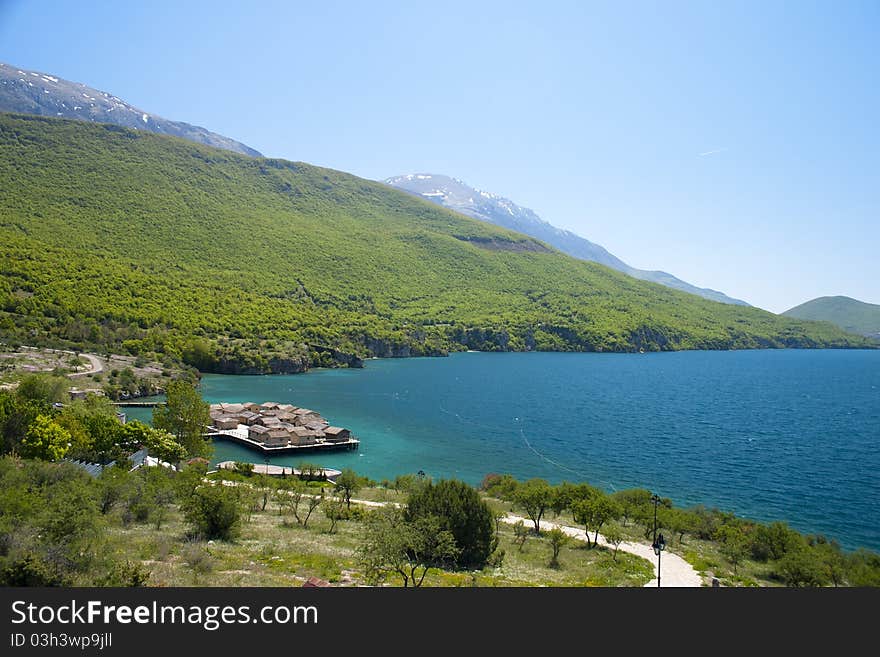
(460, 511)
(124, 573)
(214, 512)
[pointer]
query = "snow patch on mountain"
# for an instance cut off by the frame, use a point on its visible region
(33, 92)
(486, 206)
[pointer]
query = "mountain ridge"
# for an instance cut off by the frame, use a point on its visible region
(156, 245)
(849, 314)
(457, 195)
(32, 92)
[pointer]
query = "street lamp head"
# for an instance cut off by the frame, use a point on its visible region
(659, 545)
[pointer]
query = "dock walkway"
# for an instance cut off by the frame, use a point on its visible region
(280, 470)
(240, 435)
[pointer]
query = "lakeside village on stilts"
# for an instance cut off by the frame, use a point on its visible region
(269, 428)
(273, 428)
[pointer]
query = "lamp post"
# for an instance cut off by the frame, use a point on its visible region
(655, 500)
(659, 545)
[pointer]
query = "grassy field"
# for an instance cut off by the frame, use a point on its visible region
(270, 553)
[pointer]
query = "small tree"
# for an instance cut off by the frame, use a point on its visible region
(98, 435)
(288, 494)
(186, 415)
(76, 362)
(563, 495)
(520, 534)
(800, 567)
(830, 558)
(566, 495)
(45, 439)
(614, 536)
(164, 446)
(348, 483)
(391, 545)
(404, 483)
(633, 502)
(112, 485)
(334, 510)
(188, 480)
(264, 486)
(16, 415)
(534, 497)
(862, 568)
(159, 489)
(680, 522)
(500, 486)
(249, 498)
(137, 505)
(594, 512)
(461, 511)
(558, 539)
(312, 503)
(773, 541)
(43, 387)
(734, 544)
(214, 512)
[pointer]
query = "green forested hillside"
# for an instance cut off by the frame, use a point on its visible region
(121, 238)
(849, 314)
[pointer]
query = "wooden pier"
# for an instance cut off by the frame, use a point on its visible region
(281, 470)
(240, 437)
(133, 404)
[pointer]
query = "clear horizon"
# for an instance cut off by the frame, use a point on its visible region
(733, 147)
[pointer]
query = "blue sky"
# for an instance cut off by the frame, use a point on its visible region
(734, 144)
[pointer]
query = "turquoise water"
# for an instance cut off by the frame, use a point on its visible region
(779, 434)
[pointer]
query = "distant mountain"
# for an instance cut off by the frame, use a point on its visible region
(32, 92)
(849, 314)
(456, 195)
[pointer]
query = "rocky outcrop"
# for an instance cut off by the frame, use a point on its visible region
(323, 356)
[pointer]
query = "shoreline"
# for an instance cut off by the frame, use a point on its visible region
(452, 354)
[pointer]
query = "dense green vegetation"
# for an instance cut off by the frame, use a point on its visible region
(458, 509)
(39, 421)
(52, 527)
(117, 239)
(849, 314)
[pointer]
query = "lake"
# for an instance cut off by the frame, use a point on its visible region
(772, 435)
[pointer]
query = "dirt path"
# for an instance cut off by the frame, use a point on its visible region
(674, 571)
(97, 366)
